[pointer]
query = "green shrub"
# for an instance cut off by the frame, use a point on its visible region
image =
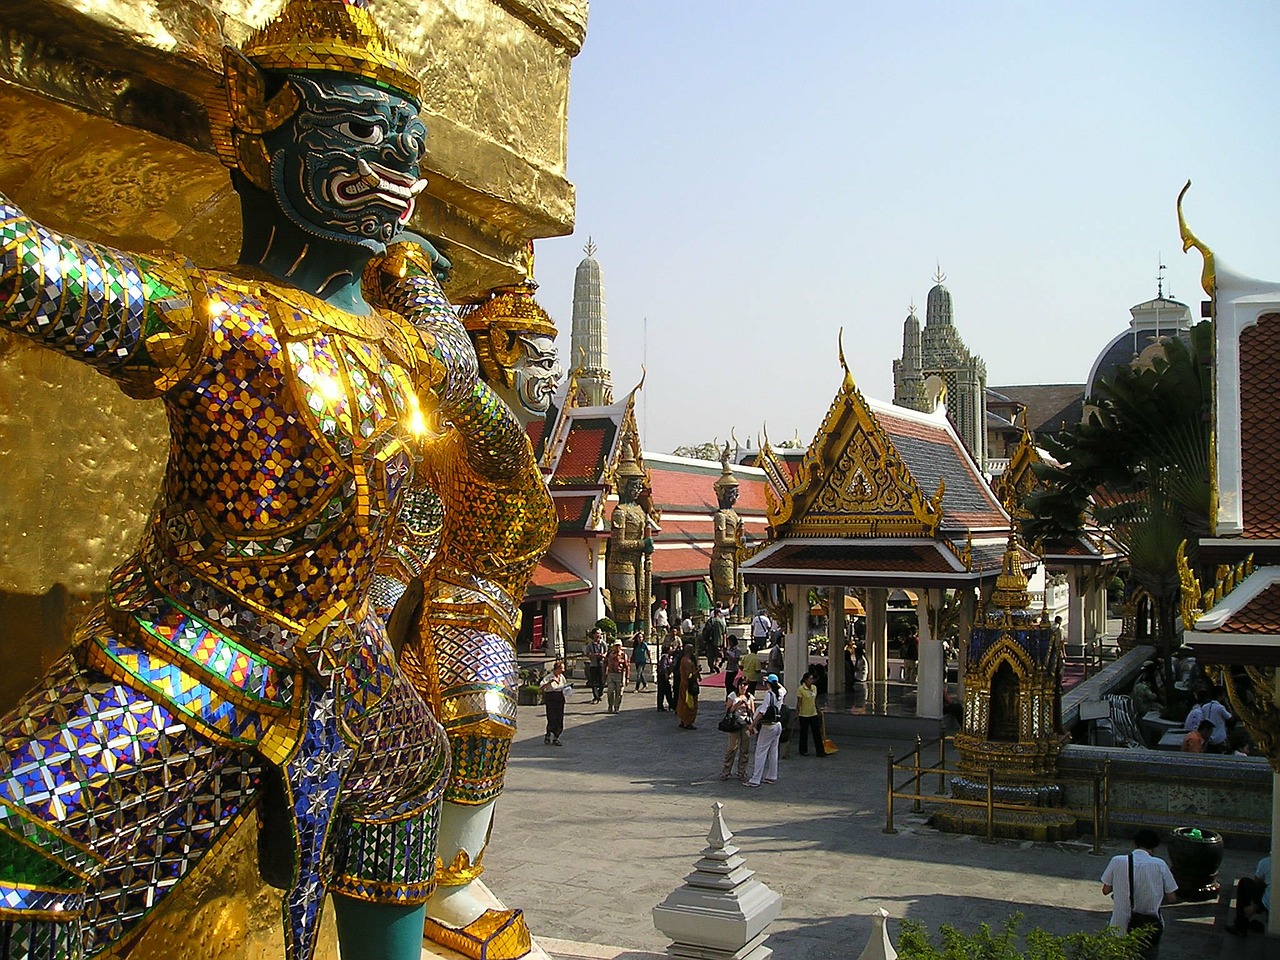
(984, 944)
(608, 626)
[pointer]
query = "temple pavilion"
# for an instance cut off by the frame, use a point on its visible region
(884, 498)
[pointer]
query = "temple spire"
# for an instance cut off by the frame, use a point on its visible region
(589, 339)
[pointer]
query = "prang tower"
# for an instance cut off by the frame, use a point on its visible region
(939, 351)
(589, 343)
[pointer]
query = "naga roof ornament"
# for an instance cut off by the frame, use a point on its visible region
(1208, 278)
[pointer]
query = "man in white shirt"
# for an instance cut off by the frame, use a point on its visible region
(761, 628)
(1208, 709)
(660, 621)
(687, 629)
(1153, 885)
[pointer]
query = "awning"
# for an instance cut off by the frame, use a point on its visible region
(876, 562)
(552, 579)
(852, 608)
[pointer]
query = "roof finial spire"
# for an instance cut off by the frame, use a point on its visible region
(938, 275)
(590, 248)
(1160, 277)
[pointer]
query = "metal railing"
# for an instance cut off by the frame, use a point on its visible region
(914, 764)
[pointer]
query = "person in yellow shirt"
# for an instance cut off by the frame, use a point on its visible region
(750, 666)
(807, 711)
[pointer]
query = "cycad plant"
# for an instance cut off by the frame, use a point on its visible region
(1138, 468)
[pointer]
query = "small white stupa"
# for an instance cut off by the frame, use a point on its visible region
(721, 911)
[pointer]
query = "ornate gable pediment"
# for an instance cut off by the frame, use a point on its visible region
(1019, 480)
(853, 482)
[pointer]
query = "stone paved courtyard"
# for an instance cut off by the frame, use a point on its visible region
(592, 835)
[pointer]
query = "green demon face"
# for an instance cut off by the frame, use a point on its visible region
(345, 166)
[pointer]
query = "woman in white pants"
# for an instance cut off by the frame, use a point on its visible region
(767, 725)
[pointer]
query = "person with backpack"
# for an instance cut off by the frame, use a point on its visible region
(616, 667)
(666, 670)
(767, 726)
(713, 634)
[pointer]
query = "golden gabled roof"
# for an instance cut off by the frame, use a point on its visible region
(852, 481)
(1019, 479)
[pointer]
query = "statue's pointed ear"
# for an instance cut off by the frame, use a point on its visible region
(246, 91)
(251, 111)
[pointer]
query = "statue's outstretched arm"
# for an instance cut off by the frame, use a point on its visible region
(495, 443)
(130, 317)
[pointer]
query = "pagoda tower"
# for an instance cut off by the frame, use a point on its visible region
(908, 380)
(939, 351)
(589, 343)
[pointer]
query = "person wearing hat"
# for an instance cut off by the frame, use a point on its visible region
(767, 725)
(660, 622)
(616, 669)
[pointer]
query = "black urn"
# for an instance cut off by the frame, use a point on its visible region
(1195, 854)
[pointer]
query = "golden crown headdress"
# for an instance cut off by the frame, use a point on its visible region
(494, 323)
(308, 36)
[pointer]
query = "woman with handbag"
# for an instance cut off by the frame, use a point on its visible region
(738, 709)
(767, 723)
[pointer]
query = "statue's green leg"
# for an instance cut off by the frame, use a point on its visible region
(378, 931)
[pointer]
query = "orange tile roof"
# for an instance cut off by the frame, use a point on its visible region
(681, 563)
(690, 488)
(1260, 428)
(586, 450)
(573, 512)
(1261, 615)
(551, 578)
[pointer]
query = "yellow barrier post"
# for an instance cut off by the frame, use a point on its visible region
(942, 757)
(991, 805)
(915, 805)
(888, 806)
(1106, 799)
(1097, 813)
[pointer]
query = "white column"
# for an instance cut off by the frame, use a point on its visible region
(1100, 607)
(795, 650)
(835, 641)
(1075, 610)
(554, 628)
(878, 633)
(930, 664)
(1090, 611)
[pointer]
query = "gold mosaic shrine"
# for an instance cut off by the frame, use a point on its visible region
(240, 639)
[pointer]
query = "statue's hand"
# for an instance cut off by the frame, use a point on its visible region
(404, 280)
(440, 265)
(648, 545)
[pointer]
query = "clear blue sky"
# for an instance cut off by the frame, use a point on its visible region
(757, 176)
